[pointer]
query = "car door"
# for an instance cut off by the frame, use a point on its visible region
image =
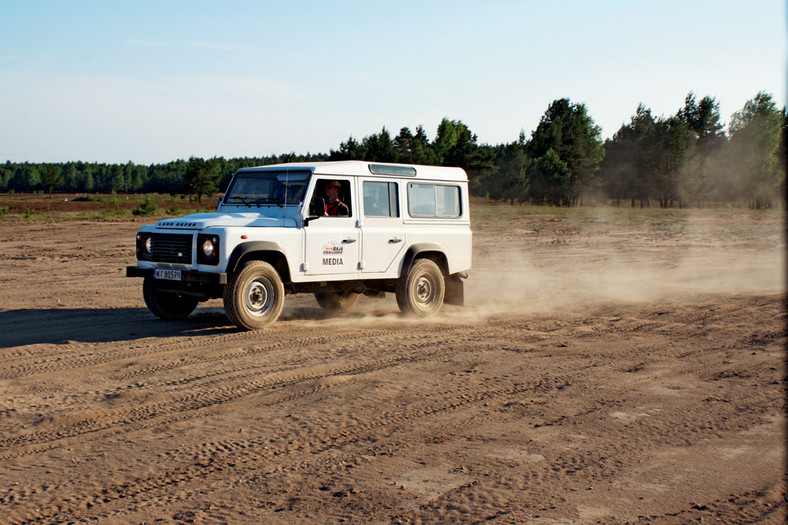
(332, 242)
(382, 232)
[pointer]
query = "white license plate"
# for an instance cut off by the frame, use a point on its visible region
(167, 275)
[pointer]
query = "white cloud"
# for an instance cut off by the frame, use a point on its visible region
(194, 44)
(224, 47)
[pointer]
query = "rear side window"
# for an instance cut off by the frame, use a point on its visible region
(433, 200)
(380, 199)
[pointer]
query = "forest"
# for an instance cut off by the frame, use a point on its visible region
(686, 159)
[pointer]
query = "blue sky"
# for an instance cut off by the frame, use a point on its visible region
(113, 81)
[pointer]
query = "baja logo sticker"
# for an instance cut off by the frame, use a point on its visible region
(332, 248)
(335, 251)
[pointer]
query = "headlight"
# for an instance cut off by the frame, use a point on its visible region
(207, 247)
(144, 246)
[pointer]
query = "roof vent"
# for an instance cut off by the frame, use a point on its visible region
(388, 169)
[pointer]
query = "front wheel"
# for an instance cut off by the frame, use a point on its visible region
(166, 305)
(420, 292)
(254, 296)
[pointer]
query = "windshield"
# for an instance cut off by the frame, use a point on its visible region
(267, 187)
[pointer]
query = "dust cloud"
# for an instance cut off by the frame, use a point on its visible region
(518, 281)
(606, 258)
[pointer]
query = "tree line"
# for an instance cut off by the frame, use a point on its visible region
(688, 158)
(195, 176)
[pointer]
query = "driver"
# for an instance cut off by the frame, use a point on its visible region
(334, 206)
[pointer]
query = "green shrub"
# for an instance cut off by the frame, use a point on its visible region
(174, 209)
(110, 211)
(113, 210)
(146, 207)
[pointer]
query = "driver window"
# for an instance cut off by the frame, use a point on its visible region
(335, 195)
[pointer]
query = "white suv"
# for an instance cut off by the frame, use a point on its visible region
(334, 229)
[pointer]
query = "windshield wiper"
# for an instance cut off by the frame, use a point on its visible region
(267, 201)
(250, 202)
(244, 200)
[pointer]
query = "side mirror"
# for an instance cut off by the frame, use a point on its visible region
(317, 207)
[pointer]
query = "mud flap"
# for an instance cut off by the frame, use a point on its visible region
(455, 291)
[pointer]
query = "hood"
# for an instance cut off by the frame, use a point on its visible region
(200, 221)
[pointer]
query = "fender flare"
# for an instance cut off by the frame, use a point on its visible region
(416, 249)
(250, 247)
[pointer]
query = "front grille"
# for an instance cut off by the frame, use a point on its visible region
(171, 247)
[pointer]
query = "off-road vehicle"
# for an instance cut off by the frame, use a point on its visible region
(279, 229)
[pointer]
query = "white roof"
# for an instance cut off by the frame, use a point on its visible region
(362, 168)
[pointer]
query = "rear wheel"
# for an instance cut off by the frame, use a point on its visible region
(420, 292)
(336, 301)
(166, 305)
(254, 296)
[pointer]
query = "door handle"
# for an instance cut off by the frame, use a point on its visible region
(348, 241)
(394, 240)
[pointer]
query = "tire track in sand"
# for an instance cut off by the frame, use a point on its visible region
(60, 360)
(251, 455)
(174, 408)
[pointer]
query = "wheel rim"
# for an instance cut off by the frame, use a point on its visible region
(258, 297)
(425, 291)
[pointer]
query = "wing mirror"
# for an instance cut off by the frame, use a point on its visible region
(317, 209)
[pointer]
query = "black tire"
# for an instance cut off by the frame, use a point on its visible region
(420, 292)
(254, 296)
(336, 302)
(166, 305)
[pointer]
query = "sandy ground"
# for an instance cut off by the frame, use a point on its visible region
(611, 367)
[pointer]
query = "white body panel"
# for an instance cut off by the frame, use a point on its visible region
(383, 240)
(332, 248)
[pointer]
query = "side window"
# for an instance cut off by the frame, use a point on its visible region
(380, 199)
(433, 200)
(332, 197)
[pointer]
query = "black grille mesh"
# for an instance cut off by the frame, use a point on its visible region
(171, 247)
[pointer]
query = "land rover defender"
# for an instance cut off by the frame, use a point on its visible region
(334, 229)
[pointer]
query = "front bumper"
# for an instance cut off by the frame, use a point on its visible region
(187, 276)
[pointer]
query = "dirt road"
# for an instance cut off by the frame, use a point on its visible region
(612, 367)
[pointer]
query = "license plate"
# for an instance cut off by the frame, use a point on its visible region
(167, 275)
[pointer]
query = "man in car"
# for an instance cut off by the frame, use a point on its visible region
(334, 206)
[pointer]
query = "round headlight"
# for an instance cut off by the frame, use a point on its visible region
(207, 247)
(147, 244)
